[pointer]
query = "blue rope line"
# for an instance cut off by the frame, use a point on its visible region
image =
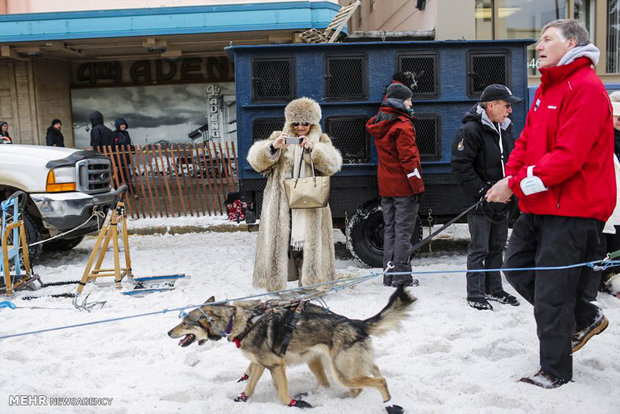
(78, 325)
(181, 309)
(341, 284)
(221, 333)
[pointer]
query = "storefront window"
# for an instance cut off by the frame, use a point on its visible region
(484, 19)
(613, 37)
(521, 19)
(584, 12)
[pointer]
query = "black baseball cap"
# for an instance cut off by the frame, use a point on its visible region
(496, 91)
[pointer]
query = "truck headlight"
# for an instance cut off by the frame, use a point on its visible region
(61, 179)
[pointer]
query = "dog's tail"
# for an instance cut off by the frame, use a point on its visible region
(389, 318)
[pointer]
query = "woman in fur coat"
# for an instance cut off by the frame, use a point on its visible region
(294, 244)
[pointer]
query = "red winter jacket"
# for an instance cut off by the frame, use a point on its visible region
(400, 171)
(569, 137)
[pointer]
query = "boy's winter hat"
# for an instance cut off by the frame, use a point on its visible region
(398, 91)
(303, 110)
(56, 121)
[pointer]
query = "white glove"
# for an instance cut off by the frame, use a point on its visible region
(532, 184)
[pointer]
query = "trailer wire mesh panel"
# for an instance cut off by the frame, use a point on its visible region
(425, 71)
(346, 78)
(348, 134)
(263, 127)
(485, 68)
(273, 80)
(428, 136)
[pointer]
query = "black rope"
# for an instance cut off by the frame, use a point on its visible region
(61, 283)
(57, 295)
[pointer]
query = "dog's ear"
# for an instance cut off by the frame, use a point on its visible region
(211, 299)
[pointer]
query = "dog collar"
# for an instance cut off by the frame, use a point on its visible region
(229, 328)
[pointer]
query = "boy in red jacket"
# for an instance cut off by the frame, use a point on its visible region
(562, 172)
(400, 180)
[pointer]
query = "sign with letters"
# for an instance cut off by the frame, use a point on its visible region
(214, 117)
(153, 72)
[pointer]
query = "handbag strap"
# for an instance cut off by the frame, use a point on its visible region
(301, 162)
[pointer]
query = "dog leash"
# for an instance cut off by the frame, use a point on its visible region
(445, 226)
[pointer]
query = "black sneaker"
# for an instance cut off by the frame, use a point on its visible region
(480, 304)
(544, 380)
(503, 297)
(580, 338)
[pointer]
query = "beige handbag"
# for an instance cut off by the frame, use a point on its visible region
(307, 192)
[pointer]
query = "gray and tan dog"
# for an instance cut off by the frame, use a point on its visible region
(317, 336)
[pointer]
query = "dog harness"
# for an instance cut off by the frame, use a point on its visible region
(290, 326)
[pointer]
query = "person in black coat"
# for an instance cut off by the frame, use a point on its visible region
(123, 146)
(100, 135)
(479, 152)
(54, 137)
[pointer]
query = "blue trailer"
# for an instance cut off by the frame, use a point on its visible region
(348, 80)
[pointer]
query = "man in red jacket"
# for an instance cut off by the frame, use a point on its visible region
(562, 172)
(400, 180)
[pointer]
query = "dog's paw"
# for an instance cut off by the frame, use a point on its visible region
(299, 404)
(243, 378)
(394, 409)
(301, 395)
(241, 398)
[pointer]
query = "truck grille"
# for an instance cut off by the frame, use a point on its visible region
(94, 175)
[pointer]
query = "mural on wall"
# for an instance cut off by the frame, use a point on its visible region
(177, 113)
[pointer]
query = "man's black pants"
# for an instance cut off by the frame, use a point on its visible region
(539, 241)
(486, 246)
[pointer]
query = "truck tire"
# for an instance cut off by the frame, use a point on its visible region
(364, 233)
(32, 236)
(61, 245)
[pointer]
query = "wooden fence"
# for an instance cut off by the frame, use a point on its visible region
(177, 180)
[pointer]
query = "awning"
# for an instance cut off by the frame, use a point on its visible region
(84, 34)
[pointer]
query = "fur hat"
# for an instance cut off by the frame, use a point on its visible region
(303, 110)
(398, 91)
(56, 121)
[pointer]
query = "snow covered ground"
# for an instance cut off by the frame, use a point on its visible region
(448, 357)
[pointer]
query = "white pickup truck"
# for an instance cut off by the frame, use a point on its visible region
(63, 185)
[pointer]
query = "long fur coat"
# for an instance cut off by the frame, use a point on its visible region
(271, 264)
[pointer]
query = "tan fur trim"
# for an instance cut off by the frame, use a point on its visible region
(303, 110)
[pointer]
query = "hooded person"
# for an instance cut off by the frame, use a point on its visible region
(54, 137)
(100, 135)
(121, 135)
(399, 178)
(294, 243)
(5, 138)
(122, 142)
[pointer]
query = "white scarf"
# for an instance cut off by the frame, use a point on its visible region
(299, 216)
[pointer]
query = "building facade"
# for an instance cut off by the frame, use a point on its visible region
(159, 64)
(497, 19)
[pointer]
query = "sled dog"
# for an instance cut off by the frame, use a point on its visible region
(310, 335)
